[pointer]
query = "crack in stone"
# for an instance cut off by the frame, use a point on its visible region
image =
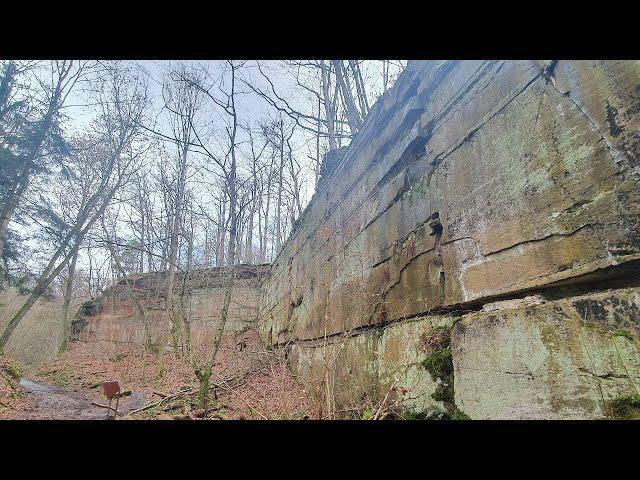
(613, 151)
(439, 158)
(527, 374)
(536, 240)
(604, 376)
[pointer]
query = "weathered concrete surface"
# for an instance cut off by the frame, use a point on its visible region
(553, 360)
(532, 170)
(113, 316)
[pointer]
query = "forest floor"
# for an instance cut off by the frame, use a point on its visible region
(248, 382)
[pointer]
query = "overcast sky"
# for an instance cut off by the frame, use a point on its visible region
(250, 106)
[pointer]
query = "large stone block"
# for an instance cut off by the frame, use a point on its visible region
(344, 370)
(401, 352)
(537, 359)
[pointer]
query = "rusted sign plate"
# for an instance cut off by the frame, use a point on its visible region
(111, 388)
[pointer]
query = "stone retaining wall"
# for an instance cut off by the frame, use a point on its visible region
(470, 183)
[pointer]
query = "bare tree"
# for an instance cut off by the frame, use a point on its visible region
(223, 98)
(182, 102)
(38, 132)
(122, 102)
(353, 116)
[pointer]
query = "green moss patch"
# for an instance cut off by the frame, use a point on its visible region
(626, 408)
(439, 364)
(459, 415)
(367, 414)
(620, 332)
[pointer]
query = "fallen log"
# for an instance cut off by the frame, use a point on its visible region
(190, 391)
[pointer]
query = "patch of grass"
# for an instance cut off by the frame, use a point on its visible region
(419, 188)
(412, 415)
(625, 408)
(60, 378)
(219, 414)
(149, 413)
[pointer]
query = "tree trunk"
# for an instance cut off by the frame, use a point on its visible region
(265, 232)
(296, 187)
(170, 317)
(357, 78)
(67, 301)
(385, 75)
(142, 233)
(227, 297)
(185, 316)
(259, 209)
(190, 242)
(328, 106)
(353, 117)
(221, 233)
(318, 160)
(207, 252)
(248, 249)
(233, 224)
(279, 203)
(203, 376)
